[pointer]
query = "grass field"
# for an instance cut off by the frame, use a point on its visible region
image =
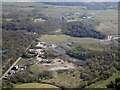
(99, 15)
(103, 83)
(36, 69)
(35, 85)
(70, 80)
(106, 15)
(108, 28)
(60, 11)
(23, 61)
(62, 38)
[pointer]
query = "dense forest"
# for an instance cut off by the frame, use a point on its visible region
(14, 43)
(21, 20)
(82, 29)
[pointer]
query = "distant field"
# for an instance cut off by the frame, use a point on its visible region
(99, 15)
(62, 38)
(108, 28)
(107, 18)
(35, 85)
(58, 12)
(105, 15)
(103, 83)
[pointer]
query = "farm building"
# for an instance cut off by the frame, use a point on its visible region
(32, 50)
(77, 13)
(15, 67)
(22, 66)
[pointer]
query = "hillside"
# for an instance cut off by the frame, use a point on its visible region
(89, 5)
(82, 29)
(104, 83)
(20, 28)
(14, 43)
(72, 45)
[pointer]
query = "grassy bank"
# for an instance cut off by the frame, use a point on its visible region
(103, 83)
(35, 85)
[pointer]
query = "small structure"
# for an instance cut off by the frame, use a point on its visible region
(86, 17)
(77, 13)
(32, 51)
(69, 44)
(42, 43)
(45, 61)
(89, 17)
(38, 58)
(44, 47)
(6, 75)
(33, 33)
(43, 57)
(11, 72)
(114, 36)
(54, 46)
(39, 45)
(42, 53)
(39, 51)
(22, 67)
(9, 19)
(15, 67)
(59, 60)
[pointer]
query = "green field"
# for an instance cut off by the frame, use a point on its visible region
(70, 80)
(108, 28)
(35, 85)
(23, 61)
(36, 69)
(99, 15)
(61, 11)
(103, 83)
(62, 38)
(106, 15)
